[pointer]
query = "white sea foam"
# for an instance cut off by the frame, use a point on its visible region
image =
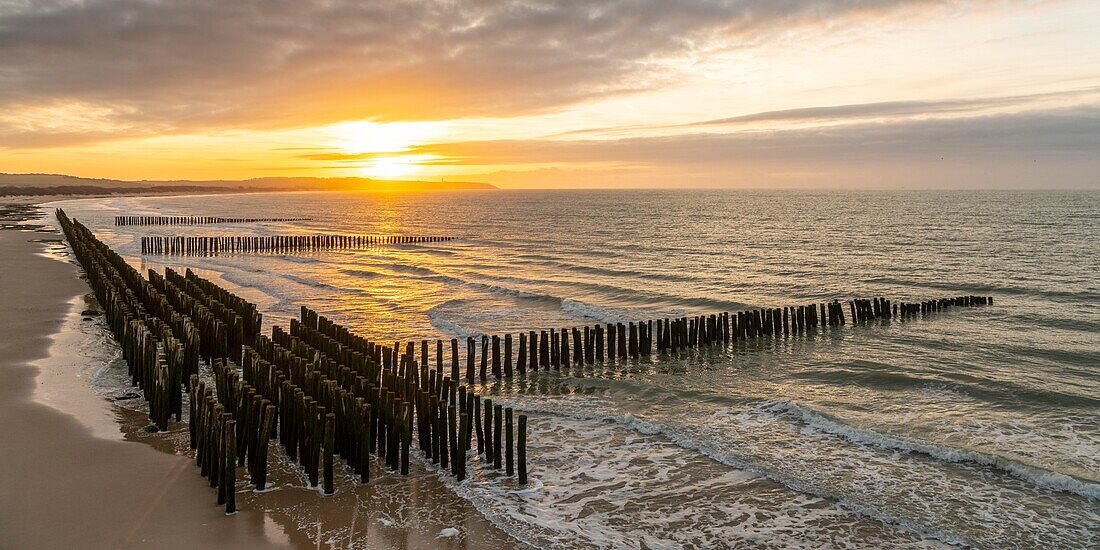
(581, 310)
(596, 484)
(1043, 478)
(750, 423)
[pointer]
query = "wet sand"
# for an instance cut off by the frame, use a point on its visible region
(79, 471)
(62, 487)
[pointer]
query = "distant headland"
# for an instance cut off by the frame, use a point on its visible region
(60, 184)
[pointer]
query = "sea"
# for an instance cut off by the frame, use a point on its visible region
(973, 426)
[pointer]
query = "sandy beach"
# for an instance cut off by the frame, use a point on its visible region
(80, 472)
(64, 488)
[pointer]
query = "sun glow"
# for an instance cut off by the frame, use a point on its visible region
(375, 147)
(393, 167)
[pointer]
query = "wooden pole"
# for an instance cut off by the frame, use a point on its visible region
(508, 441)
(521, 451)
(330, 435)
(228, 485)
(498, 411)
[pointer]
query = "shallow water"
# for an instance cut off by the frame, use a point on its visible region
(974, 426)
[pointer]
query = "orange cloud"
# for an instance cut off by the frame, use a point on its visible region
(150, 68)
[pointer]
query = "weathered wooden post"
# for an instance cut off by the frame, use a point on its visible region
(623, 348)
(477, 424)
(364, 442)
(522, 450)
(457, 457)
(555, 349)
(454, 358)
(489, 443)
(508, 441)
(522, 362)
(496, 356)
(508, 355)
(632, 348)
(544, 350)
(424, 352)
(564, 351)
(612, 349)
(599, 343)
(469, 361)
(589, 352)
(439, 356)
(330, 441)
(266, 426)
(484, 357)
(229, 465)
(533, 339)
(463, 425)
(498, 413)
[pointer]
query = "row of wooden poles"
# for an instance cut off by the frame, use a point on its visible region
(230, 426)
(212, 245)
(159, 343)
(354, 398)
(226, 322)
(165, 325)
(195, 220)
(313, 411)
(557, 348)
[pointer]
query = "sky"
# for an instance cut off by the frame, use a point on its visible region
(598, 93)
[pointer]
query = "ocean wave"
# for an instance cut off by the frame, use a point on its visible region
(513, 286)
(362, 273)
(657, 303)
(500, 290)
(688, 304)
(599, 461)
(457, 316)
(509, 291)
(990, 289)
(581, 310)
(441, 318)
(1038, 476)
(604, 271)
(756, 415)
(603, 412)
(314, 283)
(298, 259)
(436, 251)
(881, 376)
(877, 378)
(406, 268)
(998, 391)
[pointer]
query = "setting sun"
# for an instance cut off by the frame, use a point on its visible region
(393, 167)
(374, 148)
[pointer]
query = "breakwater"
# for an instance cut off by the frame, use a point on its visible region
(214, 245)
(194, 220)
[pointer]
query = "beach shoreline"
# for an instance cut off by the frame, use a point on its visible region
(79, 471)
(63, 486)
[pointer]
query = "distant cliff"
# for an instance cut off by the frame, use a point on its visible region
(58, 184)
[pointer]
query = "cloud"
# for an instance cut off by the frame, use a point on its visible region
(834, 113)
(190, 65)
(987, 150)
(862, 112)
